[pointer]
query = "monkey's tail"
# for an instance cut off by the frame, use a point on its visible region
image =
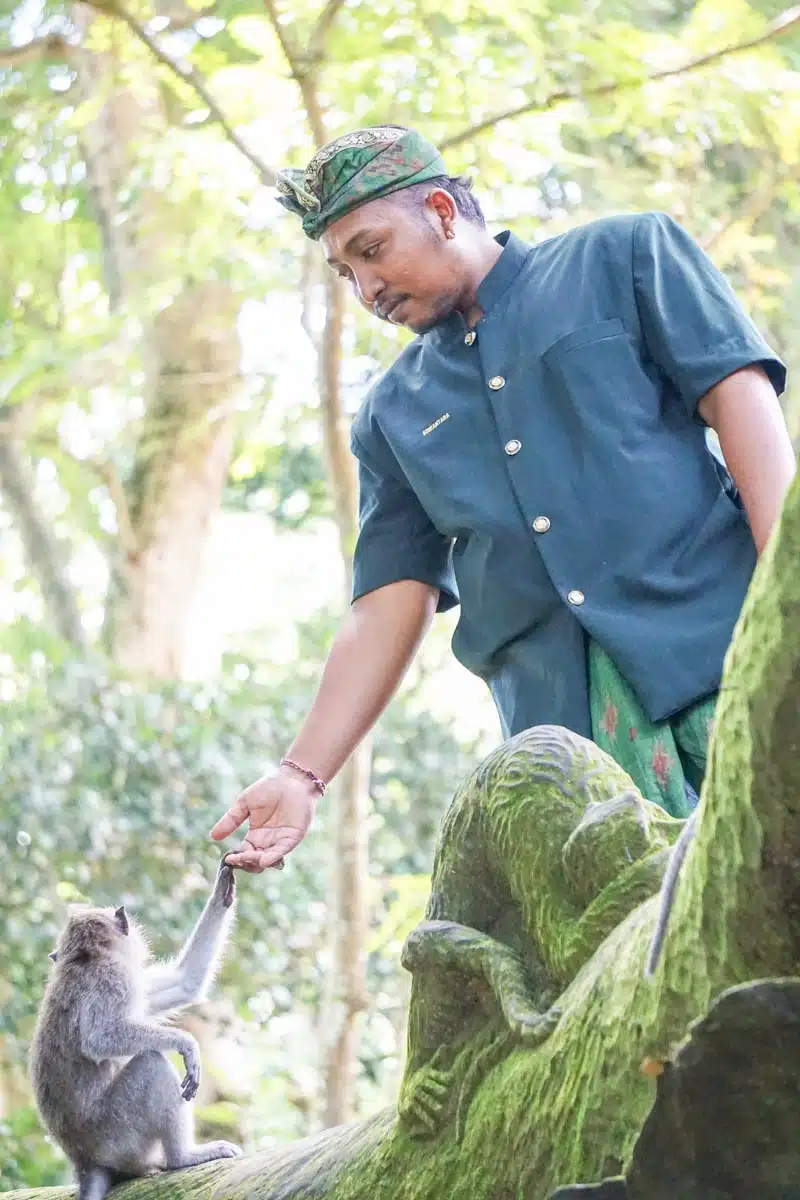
(94, 1183)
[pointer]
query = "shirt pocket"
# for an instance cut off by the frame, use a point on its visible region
(600, 379)
(584, 336)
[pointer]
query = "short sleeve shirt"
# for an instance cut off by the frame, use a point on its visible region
(548, 470)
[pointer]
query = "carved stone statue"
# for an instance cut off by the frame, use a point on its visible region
(543, 852)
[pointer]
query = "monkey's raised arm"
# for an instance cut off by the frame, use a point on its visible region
(174, 985)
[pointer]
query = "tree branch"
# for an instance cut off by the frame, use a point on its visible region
(319, 34)
(191, 77)
(308, 282)
(105, 470)
(128, 542)
(754, 206)
(53, 47)
(290, 52)
(302, 71)
(190, 18)
(782, 24)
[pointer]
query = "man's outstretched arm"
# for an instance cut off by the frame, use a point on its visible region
(374, 647)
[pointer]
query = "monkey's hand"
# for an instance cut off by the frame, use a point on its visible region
(190, 1053)
(423, 1100)
(225, 887)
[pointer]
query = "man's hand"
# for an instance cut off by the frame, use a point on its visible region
(280, 807)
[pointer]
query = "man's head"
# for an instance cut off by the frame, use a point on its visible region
(391, 221)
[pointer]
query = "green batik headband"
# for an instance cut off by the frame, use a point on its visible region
(354, 169)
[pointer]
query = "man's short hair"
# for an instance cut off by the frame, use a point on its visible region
(459, 187)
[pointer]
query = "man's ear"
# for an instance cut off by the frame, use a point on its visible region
(121, 918)
(444, 206)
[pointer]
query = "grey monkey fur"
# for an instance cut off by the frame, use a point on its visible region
(103, 1086)
(669, 886)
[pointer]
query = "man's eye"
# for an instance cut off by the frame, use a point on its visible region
(370, 251)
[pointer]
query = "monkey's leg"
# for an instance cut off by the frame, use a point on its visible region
(446, 944)
(94, 1183)
(177, 1136)
(145, 1122)
(126, 1124)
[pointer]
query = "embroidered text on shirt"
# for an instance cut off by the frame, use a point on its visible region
(439, 421)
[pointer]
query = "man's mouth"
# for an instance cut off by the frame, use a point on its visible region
(387, 311)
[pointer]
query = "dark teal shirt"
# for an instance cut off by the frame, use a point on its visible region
(550, 471)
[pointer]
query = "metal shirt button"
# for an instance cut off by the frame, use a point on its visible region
(469, 338)
(541, 524)
(575, 596)
(513, 447)
(496, 382)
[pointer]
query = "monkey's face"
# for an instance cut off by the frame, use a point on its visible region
(97, 932)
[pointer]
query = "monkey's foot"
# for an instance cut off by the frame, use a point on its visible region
(222, 1150)
(208, 1152)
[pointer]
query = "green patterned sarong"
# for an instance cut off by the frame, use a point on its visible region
(661, 757)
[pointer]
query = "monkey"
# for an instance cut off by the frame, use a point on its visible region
(666, 896)
(104, 1089)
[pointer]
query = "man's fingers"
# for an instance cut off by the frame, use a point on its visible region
(284, 844)
(233, 818)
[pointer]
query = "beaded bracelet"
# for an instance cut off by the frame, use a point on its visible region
(319, 784)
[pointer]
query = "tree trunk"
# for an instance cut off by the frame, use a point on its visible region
(108, 141)
(45, 556)
(336, 425)
(345, 996)
(181, 466)
(190, 353)
(346, 988)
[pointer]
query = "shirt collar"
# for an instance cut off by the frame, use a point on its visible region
(505, 270)
(498, 279)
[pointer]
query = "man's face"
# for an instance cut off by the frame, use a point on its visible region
(399, 261)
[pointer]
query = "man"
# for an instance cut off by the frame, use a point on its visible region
(539, 453)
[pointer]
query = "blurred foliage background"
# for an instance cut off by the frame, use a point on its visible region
(176, 497)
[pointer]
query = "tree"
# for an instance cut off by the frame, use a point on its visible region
(182, 340)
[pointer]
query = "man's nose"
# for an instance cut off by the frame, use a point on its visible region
(369, 287)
